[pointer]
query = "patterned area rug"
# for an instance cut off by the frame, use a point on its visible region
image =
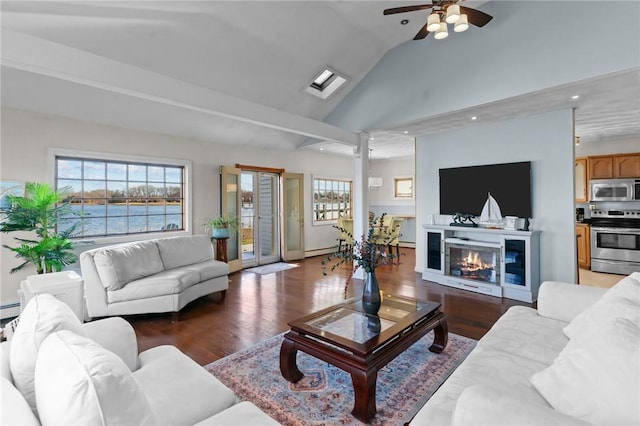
(324, 396)
(271, 268)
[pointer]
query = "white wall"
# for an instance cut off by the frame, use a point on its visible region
(547, 141)
(26, 136)
(609, 146)
(381, 200)
(512, 55)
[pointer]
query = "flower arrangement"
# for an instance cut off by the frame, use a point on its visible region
(367, 253)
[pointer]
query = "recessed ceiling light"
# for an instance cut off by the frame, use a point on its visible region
(574, 97)
(404, 21)
(321, 149)
(405, 132)
(372, 139)
(474, 118)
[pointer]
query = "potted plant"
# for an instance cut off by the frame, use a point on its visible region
(221, 226)
(367, 253)
(40, 210)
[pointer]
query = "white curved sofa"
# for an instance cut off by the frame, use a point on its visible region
(153, 276)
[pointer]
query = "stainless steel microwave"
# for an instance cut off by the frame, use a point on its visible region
(614, 189)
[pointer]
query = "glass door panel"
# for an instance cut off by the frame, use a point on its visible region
(230, 206)
(293, 194)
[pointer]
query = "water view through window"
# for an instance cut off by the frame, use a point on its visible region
(117, 198)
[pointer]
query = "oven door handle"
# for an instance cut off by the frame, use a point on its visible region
(615, 230)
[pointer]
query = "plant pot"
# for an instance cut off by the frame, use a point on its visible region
(220, 233)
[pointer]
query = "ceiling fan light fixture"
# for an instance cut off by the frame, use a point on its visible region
(442, 31)
(433, 22)
(453, 14)
(462, 24)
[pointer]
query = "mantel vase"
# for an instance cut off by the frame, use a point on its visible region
(371, 299)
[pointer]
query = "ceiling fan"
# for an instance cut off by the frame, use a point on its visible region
(444, 12)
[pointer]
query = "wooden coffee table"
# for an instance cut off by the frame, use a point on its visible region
(361, 344)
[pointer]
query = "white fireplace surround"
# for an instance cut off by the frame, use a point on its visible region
(475, 250)
(517, 269)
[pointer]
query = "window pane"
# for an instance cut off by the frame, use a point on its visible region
(156, 174)
(137, 172)
(69, 169)
(94, 170)
(95, 189)
(173, 174)
(116, 171)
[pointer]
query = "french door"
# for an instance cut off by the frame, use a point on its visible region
(269, 204)
(260, 217)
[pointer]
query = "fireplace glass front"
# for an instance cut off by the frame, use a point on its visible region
(473, 262)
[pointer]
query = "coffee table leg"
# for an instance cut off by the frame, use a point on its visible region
(364, 387)
(441, 336)
(288, 365)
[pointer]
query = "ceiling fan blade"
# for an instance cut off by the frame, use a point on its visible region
(406, 9)
(422, 33)
(476, 17)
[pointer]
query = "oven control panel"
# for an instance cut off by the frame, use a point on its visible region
(616, 214)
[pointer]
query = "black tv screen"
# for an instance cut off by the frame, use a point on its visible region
(465, 189)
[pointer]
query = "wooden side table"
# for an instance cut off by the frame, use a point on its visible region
(221, 249)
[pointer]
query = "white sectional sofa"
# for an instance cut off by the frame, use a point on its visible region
(153, 276)
(573, 361)
(57, 371)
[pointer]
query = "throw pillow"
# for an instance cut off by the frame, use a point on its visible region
(596, 377)
(79, 382)
(622, 300)
(43, 315)
(119, 265)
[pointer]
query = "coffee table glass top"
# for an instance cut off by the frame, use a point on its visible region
(349, 322)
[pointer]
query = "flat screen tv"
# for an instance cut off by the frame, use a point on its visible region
(465, 189)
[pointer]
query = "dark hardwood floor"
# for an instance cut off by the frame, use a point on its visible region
(260, 306)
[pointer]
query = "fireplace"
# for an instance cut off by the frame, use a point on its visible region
(473, 260)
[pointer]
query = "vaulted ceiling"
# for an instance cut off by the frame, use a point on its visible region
(235, 71)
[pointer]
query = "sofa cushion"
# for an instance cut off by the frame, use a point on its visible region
(43, 315)
(622, 300)
(209, 269)
(522, 332)
(241, 414)
(181, 251)
(597, 376)
(79, 382)
(486, 366)
(161, 284)
(118, 265)
(179, 390)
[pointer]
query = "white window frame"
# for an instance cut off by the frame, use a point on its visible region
(53, 153)
(313, 189)
(395, 187)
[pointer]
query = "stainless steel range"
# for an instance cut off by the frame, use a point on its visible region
(615, 241)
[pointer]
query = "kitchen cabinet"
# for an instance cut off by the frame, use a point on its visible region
(626, 166)
(584, 245)
(581, 180)
(614, 166)
(600, 167)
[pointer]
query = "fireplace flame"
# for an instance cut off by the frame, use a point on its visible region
(473, 262)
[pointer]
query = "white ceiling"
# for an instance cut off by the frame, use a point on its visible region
(261, 53)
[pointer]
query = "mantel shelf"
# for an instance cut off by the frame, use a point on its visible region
(480, 229)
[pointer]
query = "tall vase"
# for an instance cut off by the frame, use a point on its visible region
(371, 299)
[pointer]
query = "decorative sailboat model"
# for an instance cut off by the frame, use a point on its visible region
(491, 216)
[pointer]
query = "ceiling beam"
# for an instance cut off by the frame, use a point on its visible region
(28, 53)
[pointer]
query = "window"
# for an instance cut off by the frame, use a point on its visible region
(331, 199)
(403, 187)
(122, 197)
(326, 83)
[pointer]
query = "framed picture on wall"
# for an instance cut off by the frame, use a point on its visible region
(9, 187)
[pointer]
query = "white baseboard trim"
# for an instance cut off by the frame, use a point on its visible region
(320, 252)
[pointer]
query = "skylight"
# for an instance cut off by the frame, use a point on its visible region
(326, 83)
